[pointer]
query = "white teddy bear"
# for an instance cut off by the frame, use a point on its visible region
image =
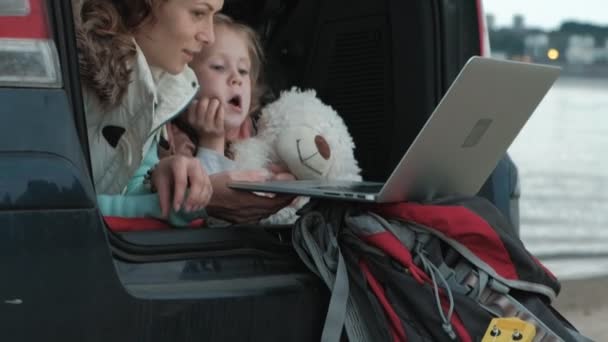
(304, 135)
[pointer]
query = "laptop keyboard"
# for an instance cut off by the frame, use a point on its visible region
(363, 188)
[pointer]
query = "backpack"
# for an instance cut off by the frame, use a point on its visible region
(440, 271)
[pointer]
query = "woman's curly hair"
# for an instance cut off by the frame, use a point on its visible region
(105, 44)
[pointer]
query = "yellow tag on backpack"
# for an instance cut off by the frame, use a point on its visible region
(509, 329)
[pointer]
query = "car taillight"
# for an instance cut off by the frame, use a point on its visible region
(484, 36)
(28, 55)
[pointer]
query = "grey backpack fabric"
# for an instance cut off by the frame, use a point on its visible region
(394, 276)
(315, 241)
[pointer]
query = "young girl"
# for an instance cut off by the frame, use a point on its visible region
(229, 71)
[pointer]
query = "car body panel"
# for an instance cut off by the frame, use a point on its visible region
(66, 277)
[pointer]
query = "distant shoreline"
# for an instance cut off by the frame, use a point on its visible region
(585, 71)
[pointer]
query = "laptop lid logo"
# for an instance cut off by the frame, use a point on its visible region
(478, 131)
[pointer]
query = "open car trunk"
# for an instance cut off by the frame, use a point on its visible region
(383, 65)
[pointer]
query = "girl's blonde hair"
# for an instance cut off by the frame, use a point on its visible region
(106, 50)
(256, 55)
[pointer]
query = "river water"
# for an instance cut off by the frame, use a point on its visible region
(562, 157)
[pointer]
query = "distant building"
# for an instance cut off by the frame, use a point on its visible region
(601, 53)
(499, 55)
(536, 46)
(518, 22)
(491, 22)
(574, 43)
(581, 49)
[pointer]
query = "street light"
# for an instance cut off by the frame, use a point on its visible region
(553, 54)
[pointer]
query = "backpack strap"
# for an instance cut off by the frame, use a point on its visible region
(315, 241)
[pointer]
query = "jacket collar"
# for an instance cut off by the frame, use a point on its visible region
(167, 95)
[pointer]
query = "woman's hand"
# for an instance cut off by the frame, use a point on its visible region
(242, 206)
(206, 116)
(176, 174)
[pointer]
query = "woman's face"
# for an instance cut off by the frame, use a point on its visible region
(223, 71)
(178, 30)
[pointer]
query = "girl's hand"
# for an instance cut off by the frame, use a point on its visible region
(176, 174)
(280, 172)
(206, 116)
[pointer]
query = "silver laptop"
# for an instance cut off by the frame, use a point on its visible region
(461, 143)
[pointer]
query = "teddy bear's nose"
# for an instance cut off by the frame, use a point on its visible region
(323, 147)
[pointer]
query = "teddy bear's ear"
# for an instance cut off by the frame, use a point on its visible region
(323, 147)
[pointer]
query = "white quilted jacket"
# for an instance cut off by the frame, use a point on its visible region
(119, 137)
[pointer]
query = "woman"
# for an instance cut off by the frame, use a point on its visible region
(133, 59)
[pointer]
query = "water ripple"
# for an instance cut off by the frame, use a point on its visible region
(563, 170)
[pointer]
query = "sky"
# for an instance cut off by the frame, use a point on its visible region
(548, 14)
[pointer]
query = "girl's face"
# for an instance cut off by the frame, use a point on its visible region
(178, 30)
(223, 71)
